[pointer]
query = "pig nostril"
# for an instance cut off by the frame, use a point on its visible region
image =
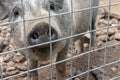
(35, 35)
(48, 33)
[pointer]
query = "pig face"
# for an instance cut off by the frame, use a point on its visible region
(37, 31)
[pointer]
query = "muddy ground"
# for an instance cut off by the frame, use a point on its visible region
(15, 63)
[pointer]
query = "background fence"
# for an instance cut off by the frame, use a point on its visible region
(95, 63)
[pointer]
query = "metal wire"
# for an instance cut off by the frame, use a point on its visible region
(20, 49)
(91, 25)
(51, 67)
(13, 76)
(1, 71)
(71, 39)
(106, 44)
(74, 57)
(71, 42)
(79, 10)
(115, 78)
(26, 49)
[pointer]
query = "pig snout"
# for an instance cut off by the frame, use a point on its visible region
(40, 33)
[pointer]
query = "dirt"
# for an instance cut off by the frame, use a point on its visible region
(97, 58)
(114, 8)
(109, 55)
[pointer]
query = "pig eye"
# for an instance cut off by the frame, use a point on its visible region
(52, 6)
(55, 5)
(17, 12)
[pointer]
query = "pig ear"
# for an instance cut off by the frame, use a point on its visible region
(3, 12)
(56, 4)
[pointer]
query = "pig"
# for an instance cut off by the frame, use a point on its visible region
(33, 32)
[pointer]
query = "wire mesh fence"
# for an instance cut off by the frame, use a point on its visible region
(21, 34)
